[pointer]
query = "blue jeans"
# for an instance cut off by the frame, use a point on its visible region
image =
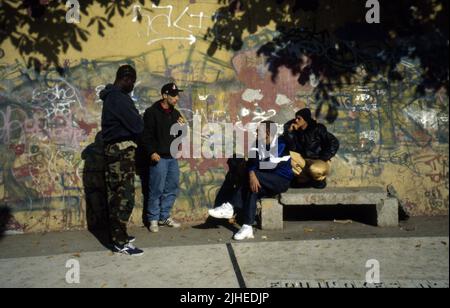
(164, 180)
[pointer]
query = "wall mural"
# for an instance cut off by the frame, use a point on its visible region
(49, 120)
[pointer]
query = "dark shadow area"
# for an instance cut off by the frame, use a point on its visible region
(95, 191)
(5, 217)
(38, 28)
(331, 40)
(365, 214)
(231, 192)
(142, 170)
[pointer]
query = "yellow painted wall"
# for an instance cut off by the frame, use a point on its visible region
(47, 120)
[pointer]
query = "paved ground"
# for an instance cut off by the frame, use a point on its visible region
(197, 256)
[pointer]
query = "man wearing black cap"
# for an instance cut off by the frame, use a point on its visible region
(164, 171)
(121, 126)
(315, 146)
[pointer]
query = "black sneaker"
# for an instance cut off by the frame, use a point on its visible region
(131, 239)
(128, 249)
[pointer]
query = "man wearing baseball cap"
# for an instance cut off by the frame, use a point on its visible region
(164, 171)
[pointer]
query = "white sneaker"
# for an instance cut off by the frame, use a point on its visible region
(225, 211)
(246, 232)
(154, 226)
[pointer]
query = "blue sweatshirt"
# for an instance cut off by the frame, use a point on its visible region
(283, 168)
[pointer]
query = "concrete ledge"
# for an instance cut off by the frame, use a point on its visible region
(271, 214)
(328, 196)
(387, 208)
(387, 213)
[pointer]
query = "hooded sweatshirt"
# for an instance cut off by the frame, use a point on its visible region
(279, 164)
(120, 118)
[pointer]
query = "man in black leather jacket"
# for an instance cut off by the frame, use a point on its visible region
(316, 147)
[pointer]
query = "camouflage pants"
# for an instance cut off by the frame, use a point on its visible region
(120, 172)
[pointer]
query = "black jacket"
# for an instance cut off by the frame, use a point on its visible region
(120, 118)
(157, 124)
(313, 143)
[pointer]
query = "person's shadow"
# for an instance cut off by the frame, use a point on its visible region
(95, 191)
(142, 170)
(5, 216)
(231, 192)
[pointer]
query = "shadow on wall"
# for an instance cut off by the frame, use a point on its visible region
(95, 191)
(231, 192)
(331, 41)
(5, 217)
(142, 170)
(35, 29)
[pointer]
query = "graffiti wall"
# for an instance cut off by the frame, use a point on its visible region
(49, 118)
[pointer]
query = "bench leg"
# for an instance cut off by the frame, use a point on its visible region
(271, 214)
(387, 213)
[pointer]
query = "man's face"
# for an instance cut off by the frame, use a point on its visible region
(266, 134)
(172, 100)
(299, 121)
(128, 84)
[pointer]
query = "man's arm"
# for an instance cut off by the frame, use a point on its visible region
(148, 137)
(330, 144)
(289, 136)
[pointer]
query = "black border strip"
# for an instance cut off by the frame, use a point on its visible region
(236, 267)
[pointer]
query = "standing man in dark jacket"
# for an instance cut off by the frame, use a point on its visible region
(164, 173)
(121, 125)
(316, 147)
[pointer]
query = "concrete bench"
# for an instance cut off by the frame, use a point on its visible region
(387, 208)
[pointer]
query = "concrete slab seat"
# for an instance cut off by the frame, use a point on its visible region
(387, 207)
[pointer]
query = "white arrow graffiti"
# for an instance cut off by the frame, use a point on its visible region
(191, 38)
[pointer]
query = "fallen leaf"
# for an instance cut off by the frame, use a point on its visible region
(104, 285)
(306, 230)
(443, 243)
(76, 255)
(348, 221)
(264, 237)
(418, 245)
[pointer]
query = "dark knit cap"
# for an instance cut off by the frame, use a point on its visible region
(305, 113)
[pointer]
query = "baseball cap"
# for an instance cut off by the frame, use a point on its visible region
(170, 89)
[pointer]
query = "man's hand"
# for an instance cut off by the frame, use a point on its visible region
(181, 121)
(294, 126)
(255, 186)
(155, 157)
